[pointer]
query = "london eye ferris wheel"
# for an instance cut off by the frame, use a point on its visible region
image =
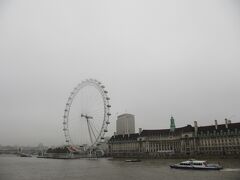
(86, 114)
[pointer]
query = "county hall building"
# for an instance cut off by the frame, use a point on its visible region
(218, 139)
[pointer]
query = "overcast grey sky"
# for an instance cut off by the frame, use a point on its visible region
(156, 58)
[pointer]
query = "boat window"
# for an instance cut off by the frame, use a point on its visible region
(197, 164)
(186, 164)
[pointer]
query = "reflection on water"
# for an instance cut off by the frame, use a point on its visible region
(17, 168)
(231, 169)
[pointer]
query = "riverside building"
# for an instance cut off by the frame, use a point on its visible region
(125, 124)
(217, 139)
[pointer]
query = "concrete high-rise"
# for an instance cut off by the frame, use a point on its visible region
(125, 124)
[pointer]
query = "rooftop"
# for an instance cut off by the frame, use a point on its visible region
(125, 114)
(125, 137)
(157, 132)
(220, 127)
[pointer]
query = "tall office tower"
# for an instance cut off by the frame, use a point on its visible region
(125, 124)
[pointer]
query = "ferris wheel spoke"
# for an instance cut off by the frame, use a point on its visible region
(96, 108)
(95, 128)
(92, 131)
(89, 131)
(91, 99)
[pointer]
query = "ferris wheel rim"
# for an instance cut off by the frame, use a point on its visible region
(106, 107)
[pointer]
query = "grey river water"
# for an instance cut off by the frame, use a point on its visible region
(19, 168)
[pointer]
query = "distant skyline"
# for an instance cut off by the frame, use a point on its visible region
(156, 59)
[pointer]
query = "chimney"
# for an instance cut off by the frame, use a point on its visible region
(226, 122)
(195, 128)
(216, 124)
(139, 130)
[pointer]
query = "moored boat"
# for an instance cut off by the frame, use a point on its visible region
(132, 160)
(196, 164)
(25, 155)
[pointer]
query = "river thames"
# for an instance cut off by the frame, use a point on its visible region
(19, 168)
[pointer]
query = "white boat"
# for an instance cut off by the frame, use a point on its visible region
(196, 164)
